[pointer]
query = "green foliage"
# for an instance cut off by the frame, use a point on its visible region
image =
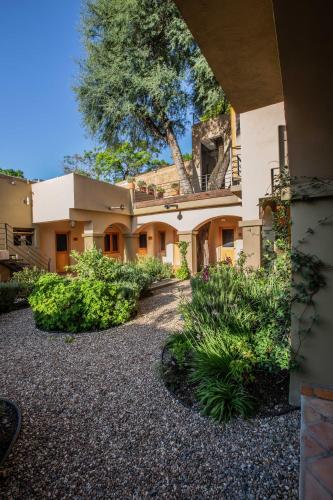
(142, 73)
(183, 272)
(9, 292)
(223, 399)
(27, 278)
(155, 268)
(115, 163)
(209, 98)
(12, 172)
(187, 156)
(73, 305)
(221, 355)
(92, 264)
(179, 345)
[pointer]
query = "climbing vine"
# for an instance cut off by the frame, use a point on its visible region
(308, 270)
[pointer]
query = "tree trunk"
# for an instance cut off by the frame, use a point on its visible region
(217, 176)
(185, 183)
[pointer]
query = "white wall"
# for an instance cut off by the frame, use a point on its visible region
(260, 153)
(52, 199)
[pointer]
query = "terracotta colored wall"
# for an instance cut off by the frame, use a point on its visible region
(15, 201)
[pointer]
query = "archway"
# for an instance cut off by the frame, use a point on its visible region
(218, 239)
(158, 239)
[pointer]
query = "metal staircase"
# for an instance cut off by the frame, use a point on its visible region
(16, 257)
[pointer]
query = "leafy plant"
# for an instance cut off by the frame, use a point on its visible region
(183, 272)
(9, 291)
(27, 278)
(12, 172)
(73, 305)
(223, 399)
(179, 346)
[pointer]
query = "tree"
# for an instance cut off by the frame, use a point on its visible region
(115, 163)
(12, 172)
(136, 81)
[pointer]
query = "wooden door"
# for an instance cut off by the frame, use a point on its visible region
(143, 244)
(228, 244)
(62, 252)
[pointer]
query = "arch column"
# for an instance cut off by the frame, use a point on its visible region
(191, 238)
(131, 246)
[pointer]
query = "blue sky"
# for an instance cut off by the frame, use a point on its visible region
(39, 119)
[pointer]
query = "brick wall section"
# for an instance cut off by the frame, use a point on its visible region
(316, 466)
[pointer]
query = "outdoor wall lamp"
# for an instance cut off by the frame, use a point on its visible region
(167, 206)
(121, 207)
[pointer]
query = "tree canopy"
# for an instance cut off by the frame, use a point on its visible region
(141, 74)
(115, 163)
(12, 172)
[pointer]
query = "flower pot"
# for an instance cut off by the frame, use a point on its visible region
(143, 189)
(160, 194)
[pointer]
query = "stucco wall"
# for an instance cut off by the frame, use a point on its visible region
(260, 153)
(190, 219)
(47, 239)
(15, 201)
(53, 198)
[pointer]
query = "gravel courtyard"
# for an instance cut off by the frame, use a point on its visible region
(99, 423)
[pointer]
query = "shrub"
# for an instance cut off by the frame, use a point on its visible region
(9, 291)
(155, 268)
(27, 278)
(223, 399)
(179, 346)
(183, 272)
(79, 304)
(92, 264)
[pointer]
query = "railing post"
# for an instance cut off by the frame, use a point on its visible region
(6, 239)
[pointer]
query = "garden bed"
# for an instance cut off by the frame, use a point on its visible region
(10, 424)
(269, 390)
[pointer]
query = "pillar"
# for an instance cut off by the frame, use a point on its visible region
(131, 246)
(252, 241)
(92, 240)
(191, 238)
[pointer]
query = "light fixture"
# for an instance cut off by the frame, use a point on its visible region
(121, 207)
(180, 215)
(167, 206)
(72, 223)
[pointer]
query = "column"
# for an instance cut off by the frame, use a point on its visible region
(191, 238)
(252, 241)
(131, 246)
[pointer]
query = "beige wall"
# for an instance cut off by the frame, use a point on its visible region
(260, 153)
(47, 237)
(53, 199)
(190, 219)
(15, 201)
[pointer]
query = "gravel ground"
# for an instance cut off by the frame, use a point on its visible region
(99, 423)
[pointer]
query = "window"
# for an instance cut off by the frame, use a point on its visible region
(111, 242)
(162, 241)
(283, 147)
(227, 238)
(114, 240)
(143, 240)
(107, 247)
(61, 242)
(23, 236)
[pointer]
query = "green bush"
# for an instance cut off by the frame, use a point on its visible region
(155, 268)
(92, 264)
(27, 278)
(224, 399)
(9, 292)
(183, 272)
(80, 304)
(179, 345)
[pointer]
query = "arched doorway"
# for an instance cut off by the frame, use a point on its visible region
(158, 239)
(218, 239)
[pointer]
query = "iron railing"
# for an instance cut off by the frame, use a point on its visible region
(27, 254)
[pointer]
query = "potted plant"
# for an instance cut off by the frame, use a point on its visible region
(130, 182)
(160, 191)
(174, 189)
(142, 186)
(151, 189)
